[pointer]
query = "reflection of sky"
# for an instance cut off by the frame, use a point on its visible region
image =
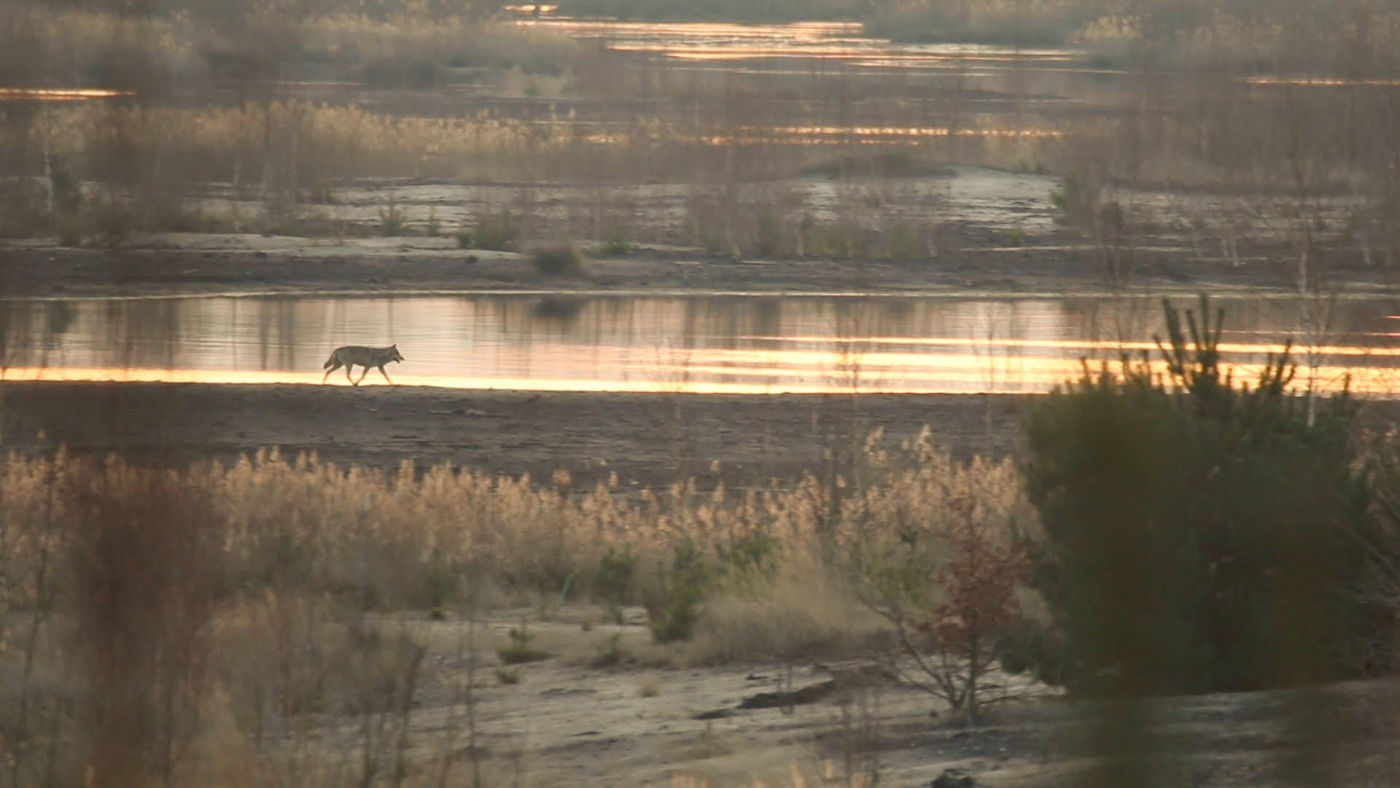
(730, 344)
(58, 94)
(727, 41)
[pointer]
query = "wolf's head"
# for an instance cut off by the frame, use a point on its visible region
(394, 354)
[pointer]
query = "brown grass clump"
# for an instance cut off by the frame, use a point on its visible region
(808, 609)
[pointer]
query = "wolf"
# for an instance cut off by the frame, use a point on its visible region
(350, 355)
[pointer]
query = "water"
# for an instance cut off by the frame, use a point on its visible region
(840, 42)
(707, 344)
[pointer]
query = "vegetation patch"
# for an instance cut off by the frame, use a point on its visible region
(1203, 535)
(563, 259)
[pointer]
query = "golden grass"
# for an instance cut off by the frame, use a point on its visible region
(219, 623)
(315, 140)
(411, 538)
(75, 41)
(808, 608)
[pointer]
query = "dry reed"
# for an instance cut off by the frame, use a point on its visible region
(220, 622)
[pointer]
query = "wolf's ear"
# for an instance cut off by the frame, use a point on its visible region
(394, 346)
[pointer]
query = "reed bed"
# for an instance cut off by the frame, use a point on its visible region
(406, 540)
(237, 623)
(317, 141)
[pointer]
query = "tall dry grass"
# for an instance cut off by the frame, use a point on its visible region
(319, 142)
(411, 538)
(234, 623)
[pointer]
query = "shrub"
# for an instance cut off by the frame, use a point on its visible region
(839, 240)
(392, 221)
(414, 71)
(950, 576)
(496, 231)
(676, 609)
(1202, 536)
(1077, 201)
(563, 259)
(520, 649)
(113, 223)
(978, 581)
(616, 573)
(615, 243)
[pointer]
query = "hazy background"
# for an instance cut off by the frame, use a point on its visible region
(1210, 125)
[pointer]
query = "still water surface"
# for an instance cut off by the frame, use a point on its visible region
(706, 344)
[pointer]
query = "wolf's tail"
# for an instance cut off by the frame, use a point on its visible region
(329, 362)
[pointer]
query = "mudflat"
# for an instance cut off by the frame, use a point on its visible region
(647, 440)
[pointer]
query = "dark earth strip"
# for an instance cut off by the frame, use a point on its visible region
(154, 270)
(647, 439)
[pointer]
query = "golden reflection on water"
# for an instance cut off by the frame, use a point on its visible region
(705, 344)
(909, 131)
(59, 94)
(1322, 82)
(830, 41)
(1099, 347)
(751, 372)
(825, 135)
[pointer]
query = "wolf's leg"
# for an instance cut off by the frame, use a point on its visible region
(348, 369)
(362, 375)
(382, 372)
(329, 371)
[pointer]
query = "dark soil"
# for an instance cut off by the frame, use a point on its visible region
(646, 439)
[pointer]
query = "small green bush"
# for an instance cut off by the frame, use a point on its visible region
(519, 649)
(836, 240)
(392, 221)
(675, 611)
(67, 189)
(496, 231)
(616, 241)
(1077, 201)
(754, 554)
(616, 576)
